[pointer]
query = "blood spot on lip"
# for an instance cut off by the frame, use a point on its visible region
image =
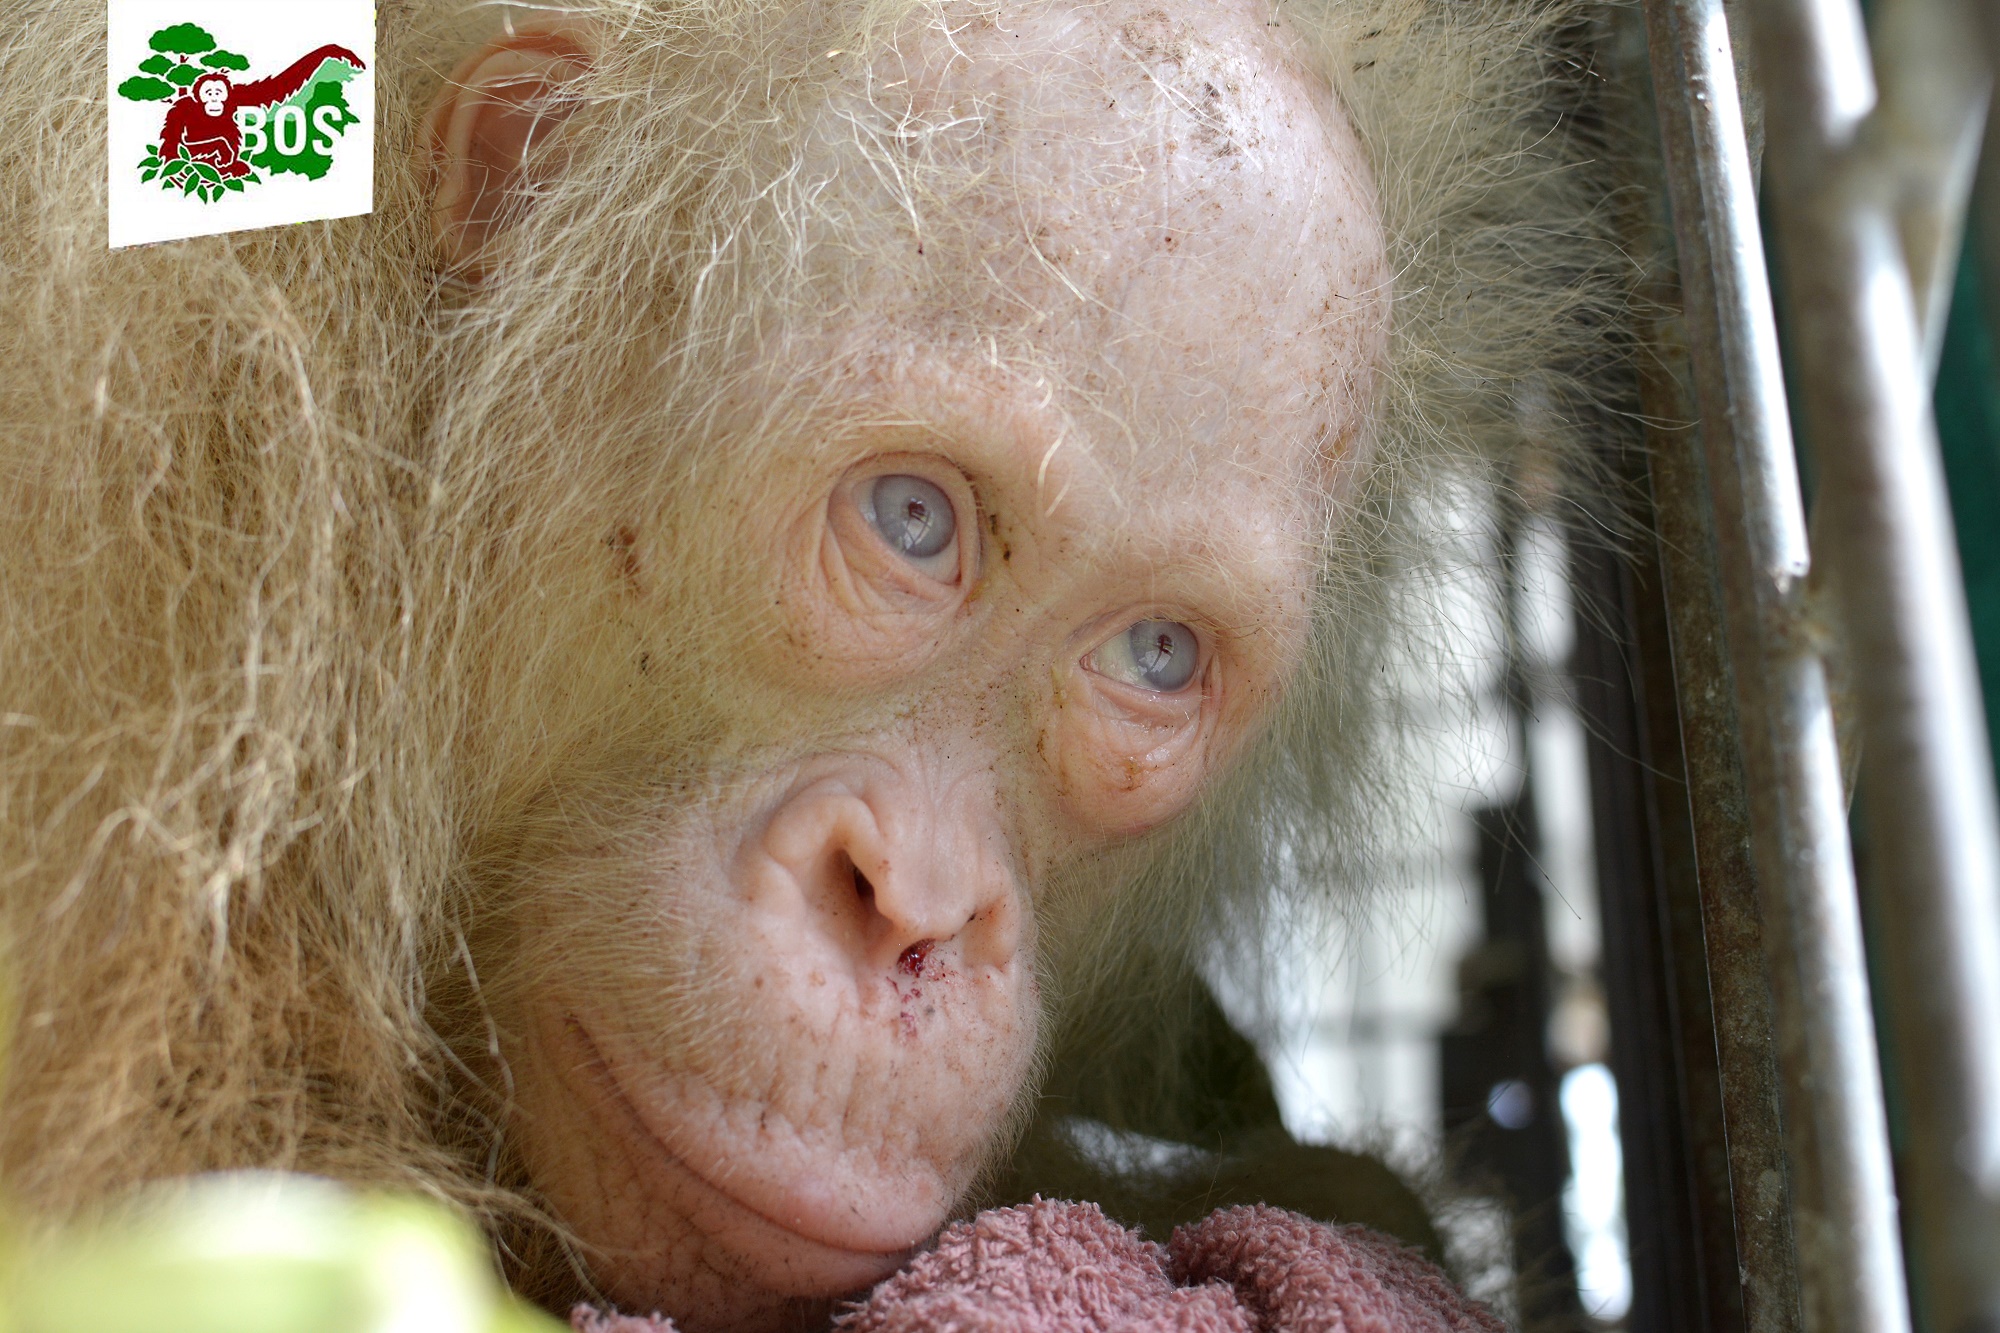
(916, 962)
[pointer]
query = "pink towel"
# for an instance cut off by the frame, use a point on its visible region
(1049, 1267)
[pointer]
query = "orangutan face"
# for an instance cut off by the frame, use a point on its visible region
(1008, 626)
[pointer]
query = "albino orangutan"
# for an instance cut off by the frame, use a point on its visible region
(640, 687)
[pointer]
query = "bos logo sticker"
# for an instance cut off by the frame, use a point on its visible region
(232, 114)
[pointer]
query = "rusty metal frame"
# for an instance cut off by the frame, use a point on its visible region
(1869, 198)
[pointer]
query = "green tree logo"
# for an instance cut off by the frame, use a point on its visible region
(220, 134)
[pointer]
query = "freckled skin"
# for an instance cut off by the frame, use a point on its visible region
(839, 1011)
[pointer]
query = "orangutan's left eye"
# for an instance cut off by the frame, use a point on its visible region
(1158, 655)
(915, 518)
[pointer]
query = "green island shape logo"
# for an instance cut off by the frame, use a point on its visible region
(220, 134)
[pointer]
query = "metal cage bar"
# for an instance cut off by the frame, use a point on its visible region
(1869, 204)
(1869, 196)
(1843, 1203)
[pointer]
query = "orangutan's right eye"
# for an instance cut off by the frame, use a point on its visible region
(916, 519)
(1158, 655)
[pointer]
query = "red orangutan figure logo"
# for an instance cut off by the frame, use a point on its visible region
(204, 121)
(220, 134)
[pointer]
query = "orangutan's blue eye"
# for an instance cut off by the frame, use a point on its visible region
(1154, 655)
(912, 515)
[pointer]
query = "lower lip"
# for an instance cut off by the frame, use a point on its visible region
(794, 1261)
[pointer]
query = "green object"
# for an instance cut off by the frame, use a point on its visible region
(324, 89)
(264, 1253)
(146, 89)
(183, 39)
(1968, 422)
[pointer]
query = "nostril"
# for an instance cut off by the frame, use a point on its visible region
(863, 890)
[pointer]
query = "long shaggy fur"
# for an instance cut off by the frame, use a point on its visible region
(291, 530)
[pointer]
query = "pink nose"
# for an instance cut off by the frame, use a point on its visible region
(894, 871)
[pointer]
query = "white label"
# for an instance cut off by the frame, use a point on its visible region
(227, 115)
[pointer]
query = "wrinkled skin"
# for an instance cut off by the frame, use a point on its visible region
(841, 1007)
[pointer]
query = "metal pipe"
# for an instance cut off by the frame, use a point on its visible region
(1927, 775)
(1844, 1221)
(1763, 1258)
(1923, 141)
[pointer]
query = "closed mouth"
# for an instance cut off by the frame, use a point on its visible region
(878, 1262)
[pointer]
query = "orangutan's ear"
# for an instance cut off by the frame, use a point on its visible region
(489, 132)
